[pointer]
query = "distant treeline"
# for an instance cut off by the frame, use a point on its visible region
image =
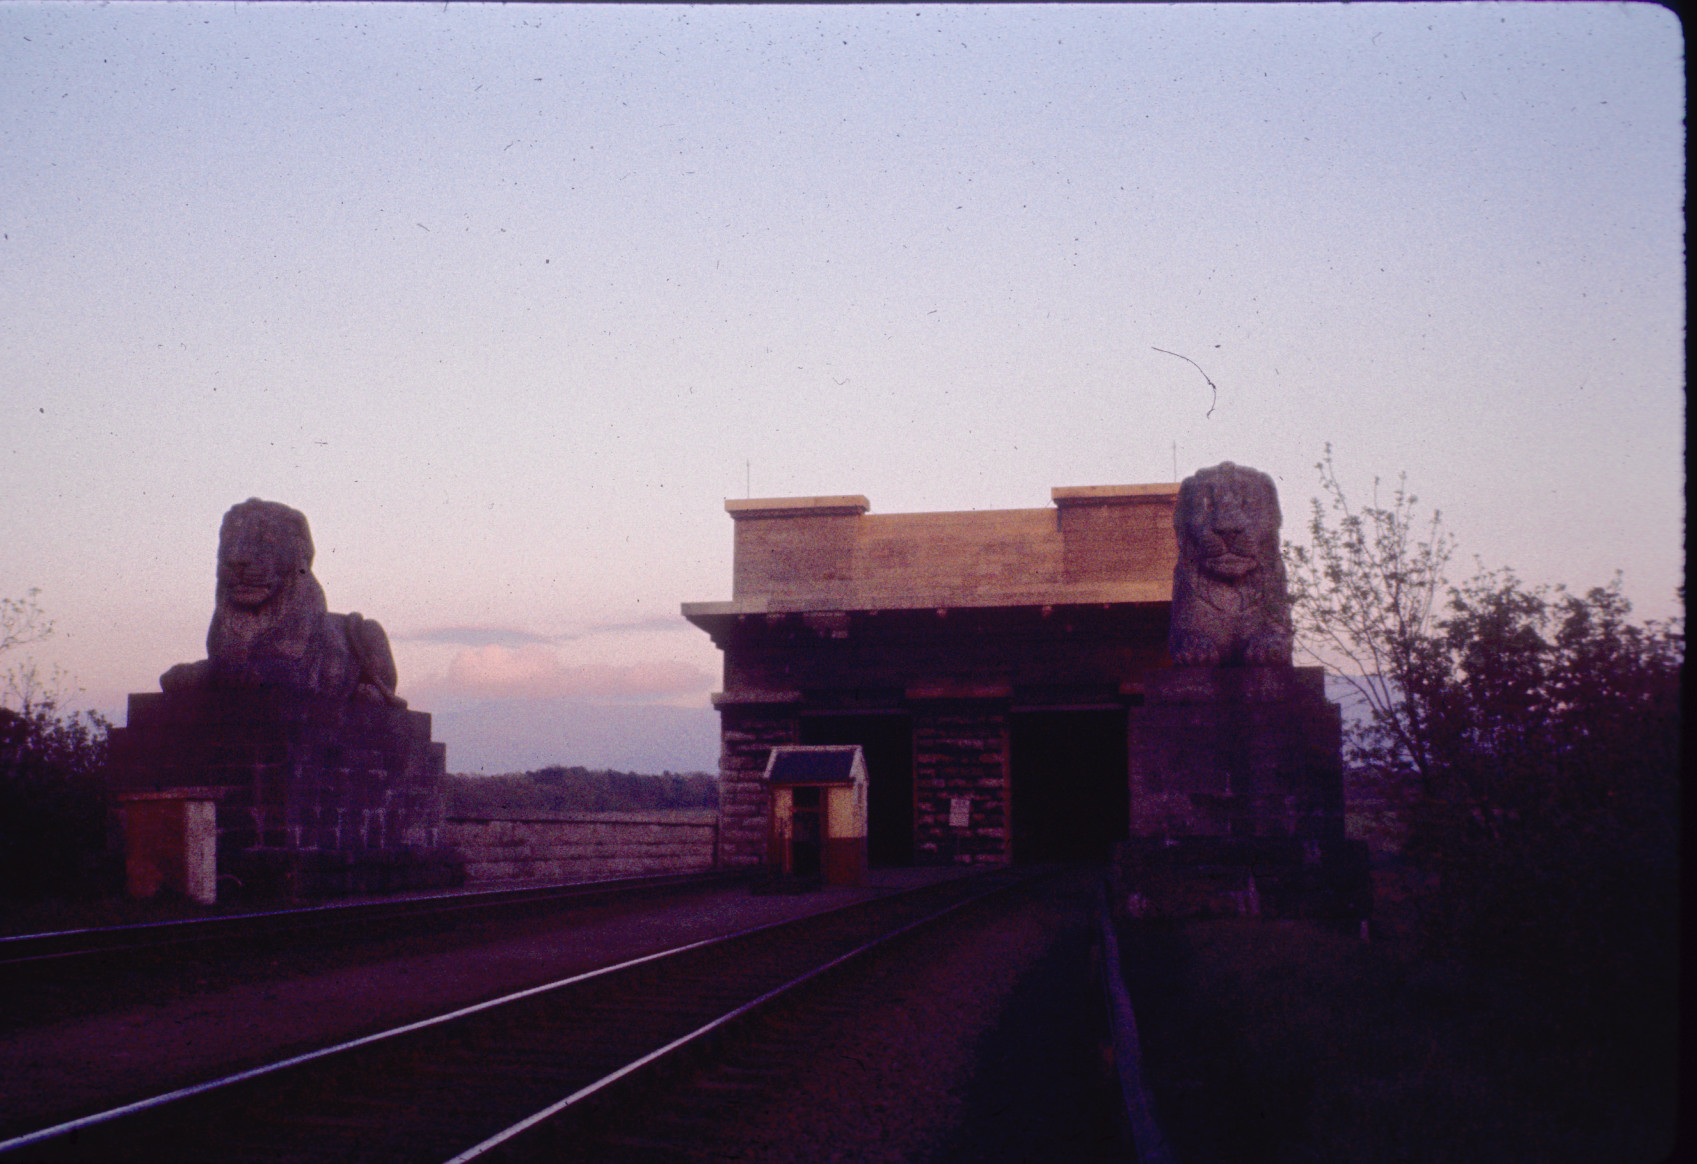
(578, 789)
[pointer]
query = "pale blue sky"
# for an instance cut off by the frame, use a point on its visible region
(509, 299)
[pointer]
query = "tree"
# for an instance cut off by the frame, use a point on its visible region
(22, 685)
(1364, 597)
(1551, 814)
(22, 622)
(52, 803)
(1529, 735)
(52, 784)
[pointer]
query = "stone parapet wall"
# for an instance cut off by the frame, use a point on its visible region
(961, 752)
(583, 846)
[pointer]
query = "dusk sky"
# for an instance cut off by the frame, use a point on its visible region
(509, 300)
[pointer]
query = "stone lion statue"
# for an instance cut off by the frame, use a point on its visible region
(270, 625)
(1230, 604)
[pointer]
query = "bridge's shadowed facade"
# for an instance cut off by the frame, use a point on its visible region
(986, 662)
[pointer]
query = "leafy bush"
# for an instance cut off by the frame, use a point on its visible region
(52, 790)
(1549, 810)
(1529, 736)
(53, 804)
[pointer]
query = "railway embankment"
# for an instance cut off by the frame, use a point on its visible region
(75, 1042)
(973, 1033)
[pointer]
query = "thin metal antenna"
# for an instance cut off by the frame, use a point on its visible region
(748, 478)
(1175, 460)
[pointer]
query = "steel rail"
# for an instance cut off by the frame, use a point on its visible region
(155, 1101)
(44, 1136)
(701, 1032)
(22, 949)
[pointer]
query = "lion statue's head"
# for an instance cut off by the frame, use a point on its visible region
(271, 626)
(265, 558)
(1230, 604)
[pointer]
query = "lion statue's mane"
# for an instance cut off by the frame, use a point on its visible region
(271, 627)
(1230, 603)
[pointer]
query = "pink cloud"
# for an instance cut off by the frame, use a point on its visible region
(534, 671)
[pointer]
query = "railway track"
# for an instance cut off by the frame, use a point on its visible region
(494, 1080)
(58, 951)
(978, 1039)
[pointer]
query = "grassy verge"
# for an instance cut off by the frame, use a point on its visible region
(1288, 1041)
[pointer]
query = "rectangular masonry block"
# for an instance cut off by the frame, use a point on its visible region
(171, 843)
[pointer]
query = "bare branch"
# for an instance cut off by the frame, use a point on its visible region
(22, 622)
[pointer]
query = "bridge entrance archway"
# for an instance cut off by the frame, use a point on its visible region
(1070, 794)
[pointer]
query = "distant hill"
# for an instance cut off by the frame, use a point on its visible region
(524, 735)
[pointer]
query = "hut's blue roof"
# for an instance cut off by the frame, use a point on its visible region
(817, 765)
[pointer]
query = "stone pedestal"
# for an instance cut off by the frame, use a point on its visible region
(1236, 786)
(315, 796)
(1236, 751)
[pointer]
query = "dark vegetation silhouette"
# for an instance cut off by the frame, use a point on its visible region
(579, 789)
(53, 804)
(53, 822)
(1526, 737)
(1519, 999)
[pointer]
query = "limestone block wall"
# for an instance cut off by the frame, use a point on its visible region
(583, 846)
(1099, 543)
(748, 734)
(961, 751)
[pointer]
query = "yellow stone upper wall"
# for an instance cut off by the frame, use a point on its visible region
(1101, 543)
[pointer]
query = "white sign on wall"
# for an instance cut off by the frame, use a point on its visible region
(960, 812)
